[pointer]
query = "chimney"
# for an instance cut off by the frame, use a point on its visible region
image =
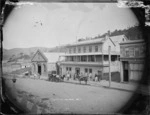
(107, 35)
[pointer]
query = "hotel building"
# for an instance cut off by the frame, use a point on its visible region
(92, 56)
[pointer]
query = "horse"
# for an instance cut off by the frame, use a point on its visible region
(82, 78)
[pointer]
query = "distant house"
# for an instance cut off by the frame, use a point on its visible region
(42, 63)
(132, 60)
(25, 65)
(15, 66)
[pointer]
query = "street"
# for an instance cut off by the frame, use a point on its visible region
(39, 96)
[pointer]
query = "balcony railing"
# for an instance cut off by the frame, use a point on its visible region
(81, 63)
(104, 63)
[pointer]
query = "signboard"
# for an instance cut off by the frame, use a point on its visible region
(132, 51)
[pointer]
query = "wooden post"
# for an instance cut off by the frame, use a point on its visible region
(94, 58)
(109, 50)
(102, 65)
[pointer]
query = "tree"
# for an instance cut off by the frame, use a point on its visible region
(21, 54)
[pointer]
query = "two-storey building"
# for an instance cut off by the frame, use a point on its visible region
(91, 56)
(132, 60)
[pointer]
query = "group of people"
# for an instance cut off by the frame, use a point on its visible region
(89, 76)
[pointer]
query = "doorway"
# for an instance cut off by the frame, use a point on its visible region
(125, 72)
(77, 70)
(39, 69)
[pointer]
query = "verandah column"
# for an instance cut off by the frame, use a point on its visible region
(102, 65)
(36, 68)
(94, 58)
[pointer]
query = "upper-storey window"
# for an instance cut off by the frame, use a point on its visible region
(79, 50)
(90, 48)
(100, 48)
(96, 48)
(136, 51)
(74, 50)
(84, 49)
(70, 50)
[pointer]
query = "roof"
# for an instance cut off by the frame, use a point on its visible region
(93, 53)
(98, 40)
(132, 41)
(39, 51)
(114, 39)
(117, 39)
(52, 57)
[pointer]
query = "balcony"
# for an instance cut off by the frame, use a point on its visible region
(82, 63)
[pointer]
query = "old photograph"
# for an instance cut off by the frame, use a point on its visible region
(71, 57)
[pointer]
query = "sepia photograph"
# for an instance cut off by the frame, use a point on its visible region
(72, 58)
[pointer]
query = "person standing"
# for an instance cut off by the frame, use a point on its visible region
(68, 75)
(90, 76)
(99, 76)
(96, 78)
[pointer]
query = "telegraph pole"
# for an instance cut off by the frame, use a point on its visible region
(109, 50)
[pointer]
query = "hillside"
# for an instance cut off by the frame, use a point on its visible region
(132, 33)
(27, 53)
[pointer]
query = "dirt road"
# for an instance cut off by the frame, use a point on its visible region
(39, 96)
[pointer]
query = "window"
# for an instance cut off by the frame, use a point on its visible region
(136, 52)
(71, 58)
(113, 57)
(86, 70)
(96, 48)
(100, 48)
(83, 58)
(78, 58)
(69, 68)
(105, 57)
(90, 70)
(127, 53)
(98, 58)
(67, 58)
(142, 50)
(74, 58)
(79, 50)
(70, 50)
(90, 48)
(74, 50)
(84, 49)
(91, 58)
(66, 68)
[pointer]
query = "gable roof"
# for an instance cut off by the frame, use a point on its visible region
(118, 39)
(91, 41)
(53, 57)
(50, 57)
(38, 51)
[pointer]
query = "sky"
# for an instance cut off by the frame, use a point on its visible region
(54, 24)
